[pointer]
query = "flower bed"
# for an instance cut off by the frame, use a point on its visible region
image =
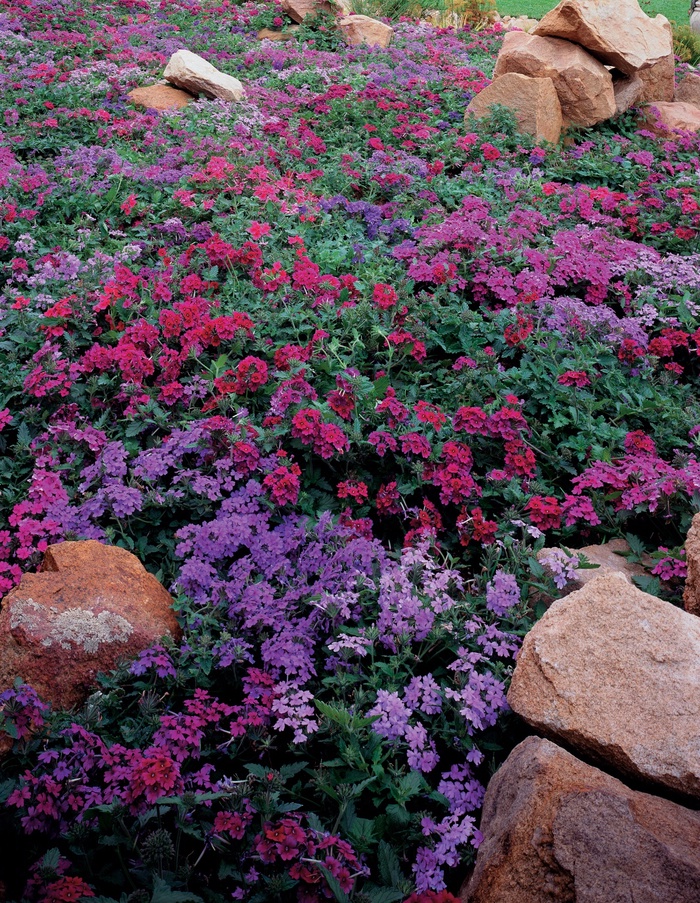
(331, 364)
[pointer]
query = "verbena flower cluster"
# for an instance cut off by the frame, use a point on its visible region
(335, 365)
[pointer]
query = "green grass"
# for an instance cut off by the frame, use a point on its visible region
(676, 10)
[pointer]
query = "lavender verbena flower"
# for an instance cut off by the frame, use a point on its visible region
(293, 710)
(421, 755)
(350, 646)
(502, 593)
(393, 715)
(561, 565)
(154, 658)
(462, 791)
(453, 832)
(423, 693)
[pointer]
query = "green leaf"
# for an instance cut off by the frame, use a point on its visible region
(334, 885)
(384, 895)
(389, 866)
(164, 894)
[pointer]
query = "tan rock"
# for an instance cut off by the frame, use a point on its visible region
(662, 118)
(192, 73)
(688, 90)
(583, 85)
(364, 30)
(160, 97)
(615, 673)
(609, 558)
(534, 102)
(559, 831)
(517, 23)
(90, 606)
(298, 10)
(270, 34)
(628, 90)
(659, 81)
(617, 32)
(691, 593)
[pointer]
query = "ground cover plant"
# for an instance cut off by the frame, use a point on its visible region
(335, 366)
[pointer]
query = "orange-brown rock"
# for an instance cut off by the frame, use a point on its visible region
(691, 593)
(160, 97)
(364, 30)
(617, 32)
(89, 606)
(628, 90)
(298, 10)
(688, 90)
(583, 85)
(662, 118)
(557, 830)
(533, 101)
(615, 674)
(270, 34)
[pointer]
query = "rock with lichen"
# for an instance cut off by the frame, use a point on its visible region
(88, 607)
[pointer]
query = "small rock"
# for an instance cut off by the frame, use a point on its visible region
(90, 606)
(673, 117)
(160, 97)
(298, 10)
(517, 23)
(610, 558)
(617, 32)
(628, 89)
(364, 30)
(269, 34)
(192, 73)
(691, 593)
(688, 90)
(584, 86)
(559, 831)
(615, 674)
(534, 102)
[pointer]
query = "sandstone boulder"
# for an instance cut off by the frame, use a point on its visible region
(617, 32)
(583, 85)
(615, 673)
(659, 81)
(691, 593)
(193, 73)
(160, 97)
(88, 607)
(298, 10)
(628, 91)
(688, 90)
(534, 102)
(559, 831)
(673, 117)
(364, 30)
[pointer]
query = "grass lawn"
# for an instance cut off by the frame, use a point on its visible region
(676, 10)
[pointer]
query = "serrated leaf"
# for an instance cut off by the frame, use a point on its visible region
(164, 894)
(334, 885)
(389, 865)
